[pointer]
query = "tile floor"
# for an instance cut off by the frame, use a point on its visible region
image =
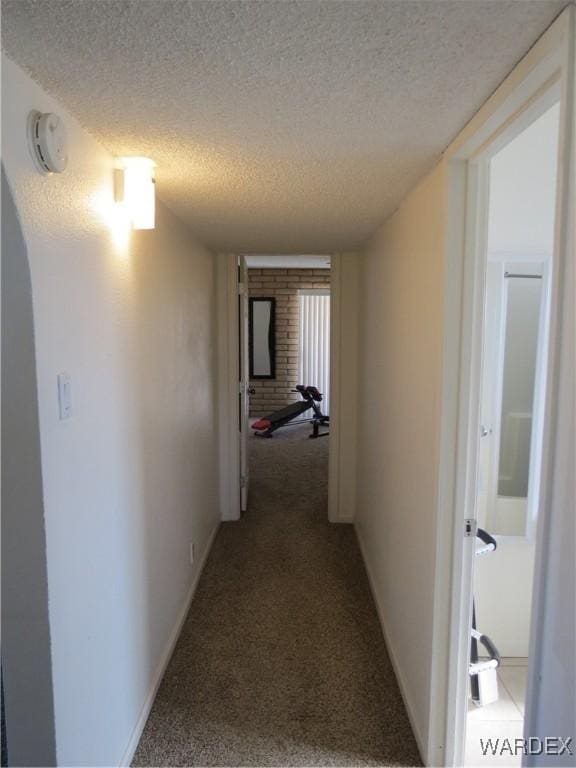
(504, 719)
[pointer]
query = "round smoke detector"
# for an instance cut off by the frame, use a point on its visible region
(48, 142)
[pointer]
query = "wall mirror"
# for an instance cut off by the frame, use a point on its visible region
(520, 340)
(261, 337)
(513, 401)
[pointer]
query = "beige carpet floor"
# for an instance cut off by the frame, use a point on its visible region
(281, 661)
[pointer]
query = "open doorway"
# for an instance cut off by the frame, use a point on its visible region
(337, 275)
(286, 346)
(520, 247)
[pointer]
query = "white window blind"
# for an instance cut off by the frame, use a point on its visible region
(314, 352)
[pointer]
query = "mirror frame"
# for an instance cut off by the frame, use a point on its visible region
(271, 336)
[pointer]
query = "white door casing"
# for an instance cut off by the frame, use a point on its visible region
(503, 581)
(544, 76)
(243, 381)
(343, 387)
(228, 378)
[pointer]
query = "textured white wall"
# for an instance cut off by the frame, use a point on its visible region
(523, 190)
(401, 328)
(131, 478)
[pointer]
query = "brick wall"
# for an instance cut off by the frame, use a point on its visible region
(283, 285)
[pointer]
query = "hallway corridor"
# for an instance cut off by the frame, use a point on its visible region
(281, 660)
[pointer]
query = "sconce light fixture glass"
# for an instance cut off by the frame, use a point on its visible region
(134, 187)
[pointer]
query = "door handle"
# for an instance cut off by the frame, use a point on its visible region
(485, 431)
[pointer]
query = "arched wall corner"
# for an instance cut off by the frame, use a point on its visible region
(26, 649)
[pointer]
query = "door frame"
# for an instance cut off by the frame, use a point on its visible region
(341, 470)
(545, 75)
(228, 355)
(243, 378)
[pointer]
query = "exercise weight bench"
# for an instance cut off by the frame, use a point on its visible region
(288, 416)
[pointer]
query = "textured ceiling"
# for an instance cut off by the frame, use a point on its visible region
(277, 126)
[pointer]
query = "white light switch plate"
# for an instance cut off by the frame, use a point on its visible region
(64, 396)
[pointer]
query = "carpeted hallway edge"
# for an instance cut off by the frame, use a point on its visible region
(281, 661)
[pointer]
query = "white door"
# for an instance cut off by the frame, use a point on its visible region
(244, 383)
(513, 382)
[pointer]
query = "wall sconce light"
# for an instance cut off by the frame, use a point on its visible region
(134, 187)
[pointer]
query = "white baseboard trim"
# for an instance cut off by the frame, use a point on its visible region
(166, 656)
(393, 658)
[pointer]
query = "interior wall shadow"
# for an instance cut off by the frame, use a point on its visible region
(26, 659)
